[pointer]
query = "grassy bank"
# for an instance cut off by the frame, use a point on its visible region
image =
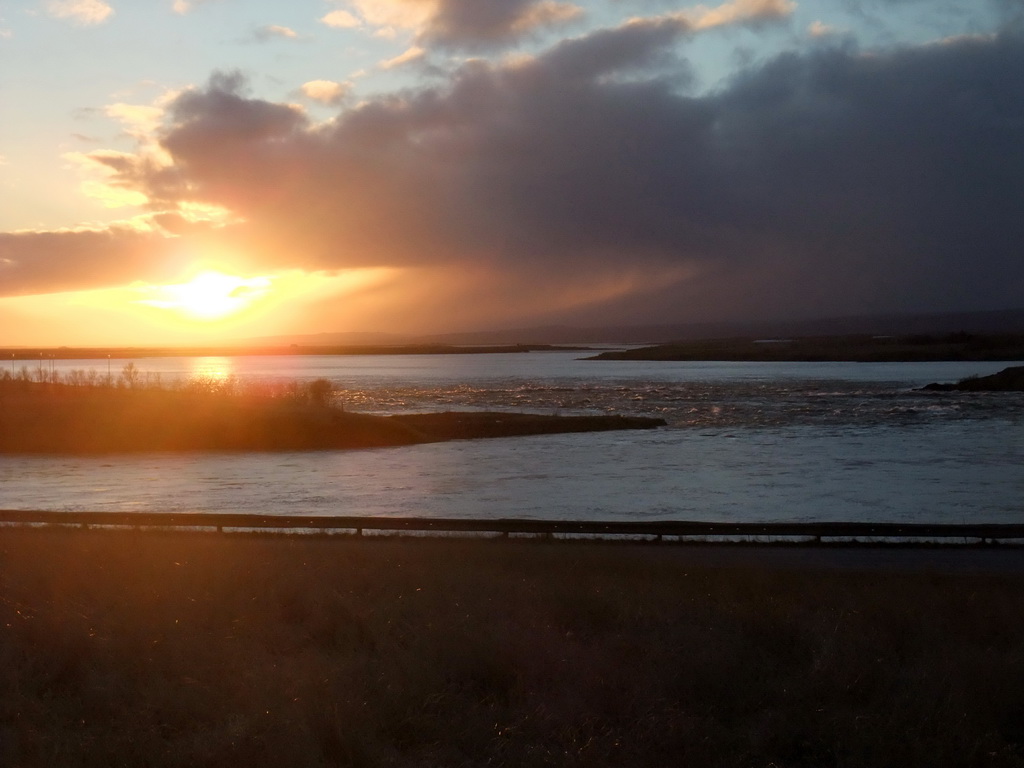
(130, 414)
(160, 649)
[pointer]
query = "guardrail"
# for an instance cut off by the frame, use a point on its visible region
(658, 529)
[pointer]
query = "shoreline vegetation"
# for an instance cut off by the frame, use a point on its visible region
(84, 413)
(168, 649)
(863, 349)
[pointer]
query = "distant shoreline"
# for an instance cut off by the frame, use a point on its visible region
(955, 347)
(30, 355)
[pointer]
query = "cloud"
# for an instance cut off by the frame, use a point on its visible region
(341, 20)
(49, 262)
(475, 22)
(139, 120)
(272, 32)
(635, 45)
(99, 171)
(186, 6)
(820, 29)
(407, 14)
(581, 184)
(738, 12)
(490, 23)
(85, 12)
(326, 91)
(456, 23)
(409, 55)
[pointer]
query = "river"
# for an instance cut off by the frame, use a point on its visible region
(746, 442)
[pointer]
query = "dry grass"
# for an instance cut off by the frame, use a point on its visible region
(170, 649)
(61, 418)
(76, 414)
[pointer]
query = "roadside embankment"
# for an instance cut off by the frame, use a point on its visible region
(167, 649)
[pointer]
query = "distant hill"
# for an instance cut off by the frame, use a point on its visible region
(994, 322)
(858, 348)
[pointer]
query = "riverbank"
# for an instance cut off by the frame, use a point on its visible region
(87, 418)
(169, 649)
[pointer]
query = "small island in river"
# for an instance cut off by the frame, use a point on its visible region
(127, 416)
(1007, 380)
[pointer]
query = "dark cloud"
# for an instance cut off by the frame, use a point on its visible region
(50, 262)
(1012, 13)
(636, 45)
(824, 183)
(223, 115)
(475, 23)
(483, 23)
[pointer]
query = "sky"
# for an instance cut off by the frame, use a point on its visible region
(189, 171)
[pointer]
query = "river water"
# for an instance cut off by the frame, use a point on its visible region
(745, 442)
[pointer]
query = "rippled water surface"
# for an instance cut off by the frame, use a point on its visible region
(746, 441)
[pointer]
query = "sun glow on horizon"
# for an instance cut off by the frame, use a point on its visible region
(210, 304)
(210, 295)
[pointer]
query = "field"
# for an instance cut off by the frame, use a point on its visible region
(168, 649)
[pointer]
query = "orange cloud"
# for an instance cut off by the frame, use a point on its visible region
(325, 91)
(84, 12)
(410, 55)
(738, 12)
(456, 23)
(341, 20)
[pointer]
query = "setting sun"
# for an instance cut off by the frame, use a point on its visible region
(205, 305)
(210, 295)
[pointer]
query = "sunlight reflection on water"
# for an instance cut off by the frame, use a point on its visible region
(216, 368)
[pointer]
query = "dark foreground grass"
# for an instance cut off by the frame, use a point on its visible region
(172, 649)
